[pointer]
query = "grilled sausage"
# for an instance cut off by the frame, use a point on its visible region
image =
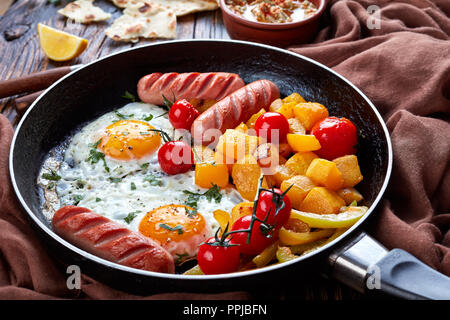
(234, 109)
(192, 85)
(109, 240)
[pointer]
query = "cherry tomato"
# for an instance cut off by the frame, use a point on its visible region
(268, 202)
(216, 258)
(175, 157)
(182, 114)
(258, 241)
(269, 125)
(337, 137)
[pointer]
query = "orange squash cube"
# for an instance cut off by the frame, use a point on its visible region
(303, 142)
(299, 162)
(242, 128)
(349, 195)
(294, 97)
(295, 126)
(301, 185)
(325, 173)
(246, 173)
(287, 109)
(207, 174)
(349, 167)
(275, 105)
(251, 122)
(280, 173)
(233, 145)
(320, 200)
(310, 113)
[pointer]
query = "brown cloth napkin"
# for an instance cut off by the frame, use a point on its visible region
(404, 69)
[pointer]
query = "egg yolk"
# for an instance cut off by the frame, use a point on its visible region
(172, 223)
(129, 139)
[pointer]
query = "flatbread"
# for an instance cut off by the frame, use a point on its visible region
(180, 7)
(84, 11)
(142, 19)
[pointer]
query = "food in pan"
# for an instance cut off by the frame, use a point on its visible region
(278, 180)
(272, 11)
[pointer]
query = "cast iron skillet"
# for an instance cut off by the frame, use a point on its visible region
(355, 258)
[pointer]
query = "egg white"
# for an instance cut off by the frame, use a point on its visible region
(131, 188)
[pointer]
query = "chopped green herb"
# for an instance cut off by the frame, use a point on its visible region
(212, 193)
(147, 118)
(178, 228)
(145, 165)
(123, 116)
(95, 144)
(98, 199)
(50, 185)
(191, 213)
(115, 180)
(76, 199)
(95, 156)
(129, 96)
(51, 176)
(133, 186)
(131, 216)
(80, 183)
(144, 133)
(153, 180)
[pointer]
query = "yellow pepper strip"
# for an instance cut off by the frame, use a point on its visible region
(194, 271)
(308, 247)
(266, 256)
(284, 254)
(223, 218)
(344, 219)
(240, 210)
(291, 238)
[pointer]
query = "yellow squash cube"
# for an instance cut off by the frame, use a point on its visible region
(294, 97)
(295, 126)
(275, 105)
(325, 173)
(246, 173)
(349, 167)
(349, 195)
(233, 145)
(287, 109)
(301, 185)
(207, 174)
(320, 200)
(251, 122)
(299, 162)
(303, 142)
(310, 113)
(280, 173)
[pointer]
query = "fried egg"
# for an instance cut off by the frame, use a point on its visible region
(111, 167)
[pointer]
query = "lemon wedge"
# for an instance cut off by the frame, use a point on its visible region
(59, 45)
(341, 220)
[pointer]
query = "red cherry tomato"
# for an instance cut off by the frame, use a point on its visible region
(267, 205)
(337, 137)
(175, 157)
(258, 241)
(215, 258)
(182, 114)
(269, 125)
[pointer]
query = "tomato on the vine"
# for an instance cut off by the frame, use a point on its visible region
(175, 157)
(215, 257)
(270, 124)
(268, 202)
(260, 238)
(182, 114)
(337, 137)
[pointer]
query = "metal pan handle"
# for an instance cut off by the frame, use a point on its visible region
(365, 264)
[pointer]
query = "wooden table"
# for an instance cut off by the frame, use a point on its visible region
(20, 55)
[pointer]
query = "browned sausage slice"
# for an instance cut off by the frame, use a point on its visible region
(192, 85)
(109, 240)
(234, 109)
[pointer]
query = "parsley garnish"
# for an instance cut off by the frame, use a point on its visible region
(131, 216)
(115, 180)
(129, 96)
(51, 176)
(153, 180)
(147, 118)
(50, 185)
(191, 213)
(95, 155)
(132, 186)
(144, 133)
(178, 228)
(123, 116)
(98, 199)
(210, 194)
(77, 199)
(144, 165)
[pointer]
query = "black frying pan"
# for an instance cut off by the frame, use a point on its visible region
(355, 258)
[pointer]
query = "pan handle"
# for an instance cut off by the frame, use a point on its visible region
(364, 264)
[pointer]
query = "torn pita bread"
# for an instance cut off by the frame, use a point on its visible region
(184, 7)
(181, 7)
(142, 19)
(84, 11)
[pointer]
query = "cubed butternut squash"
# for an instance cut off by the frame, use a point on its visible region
(303, 142)
(301, 185)
(246, 173)
(280, 173)
(349, 167)
(294, 97)
(207, 174)
(310, 113)
(242, 128)
(233, 145)
(295, 126)
(251, 122)
(299, 162)
(287, 109)
(320, 200)
(275, 105)
(325, 173)
(349, 195)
